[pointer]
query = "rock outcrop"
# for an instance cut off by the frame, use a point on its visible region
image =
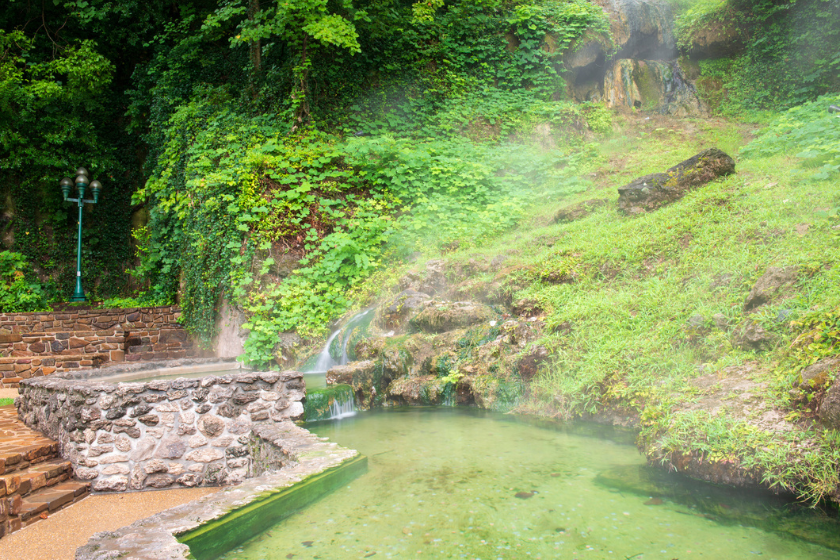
(635, 66)
(442, 316)
(658, 189)
(651, 85)
(770, 285)
(715, 40)
(579, 210)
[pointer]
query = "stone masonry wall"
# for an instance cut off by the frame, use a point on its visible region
(138, 318)
(162, 434)
(37, 344)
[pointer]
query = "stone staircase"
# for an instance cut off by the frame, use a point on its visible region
(34, 480)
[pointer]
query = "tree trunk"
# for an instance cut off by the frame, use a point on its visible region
(255, 47)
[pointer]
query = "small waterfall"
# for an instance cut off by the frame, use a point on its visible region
(330, 403)
(342, 408)
(324, 360)
(331, 356)
(336, 401)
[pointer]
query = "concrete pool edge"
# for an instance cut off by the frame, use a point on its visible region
(236, 527)
(321, 464)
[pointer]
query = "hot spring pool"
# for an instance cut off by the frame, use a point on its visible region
(466, 483)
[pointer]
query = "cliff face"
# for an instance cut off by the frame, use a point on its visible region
(636, 65)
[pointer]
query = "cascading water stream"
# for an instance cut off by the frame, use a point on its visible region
(342, 404)
(342, 408)
(325, 360)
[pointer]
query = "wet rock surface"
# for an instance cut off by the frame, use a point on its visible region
(658, 189)
(652, 85)
(446, 352)
(443, 316)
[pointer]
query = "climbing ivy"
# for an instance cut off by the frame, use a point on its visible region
(19, 291)
(285, 209)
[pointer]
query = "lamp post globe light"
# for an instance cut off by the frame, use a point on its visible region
(82, 183)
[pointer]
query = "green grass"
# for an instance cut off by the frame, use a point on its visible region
(7, 402)
(640, 279)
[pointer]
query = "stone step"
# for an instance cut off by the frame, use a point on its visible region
(51, 499)
(24, 481)
(34, 481)
(25, 456)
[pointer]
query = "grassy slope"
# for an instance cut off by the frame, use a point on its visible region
(640, 279)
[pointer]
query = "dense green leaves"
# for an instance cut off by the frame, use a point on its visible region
(781, 53)
(19, 290)
(808, 132)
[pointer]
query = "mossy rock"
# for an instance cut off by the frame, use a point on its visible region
(444, 316)
(319, 401)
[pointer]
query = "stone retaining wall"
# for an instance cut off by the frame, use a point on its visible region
(36, 344)
(162, 434)
(133, 319)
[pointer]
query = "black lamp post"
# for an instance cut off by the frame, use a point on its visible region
(82, 183)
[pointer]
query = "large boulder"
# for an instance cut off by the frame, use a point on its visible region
(658, 189)
(443, 316)
(651, 85)
(393, 315)
(770, 285)
(820, 374)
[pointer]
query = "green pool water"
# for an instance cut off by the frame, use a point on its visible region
(465, 483)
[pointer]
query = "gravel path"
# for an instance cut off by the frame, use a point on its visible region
(57, 537)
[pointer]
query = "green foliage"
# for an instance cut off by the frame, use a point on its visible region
(805, 463)
(808, 132)
(143, 299)
(790, 51)
(817, 336)
(234, 195)
(17, 292)
(237, 200)
(61, 108)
